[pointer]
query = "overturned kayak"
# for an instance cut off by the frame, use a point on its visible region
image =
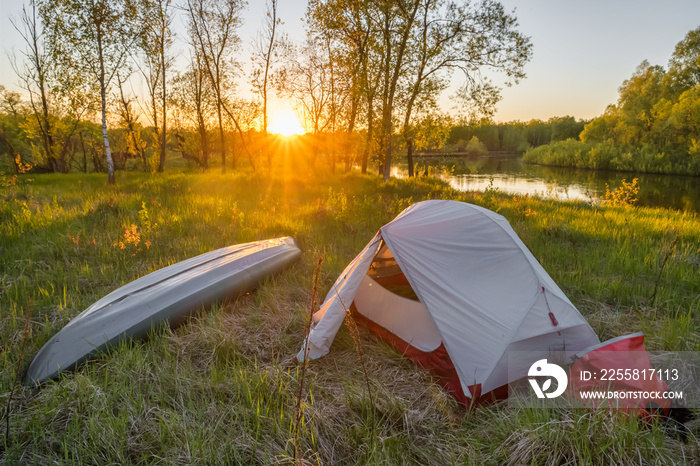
(166, 295)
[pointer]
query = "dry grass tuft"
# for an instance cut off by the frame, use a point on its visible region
(584, 437)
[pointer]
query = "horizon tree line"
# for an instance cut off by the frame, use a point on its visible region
(365, 80)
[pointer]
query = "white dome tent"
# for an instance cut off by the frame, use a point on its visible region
(453, 287)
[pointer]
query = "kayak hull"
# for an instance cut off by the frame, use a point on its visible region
(168, 295)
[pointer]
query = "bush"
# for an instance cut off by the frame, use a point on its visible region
(475, 147)
(607, 155)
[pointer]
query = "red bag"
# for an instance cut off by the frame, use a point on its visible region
(618, 374)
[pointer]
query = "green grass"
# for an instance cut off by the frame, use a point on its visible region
(220, 390)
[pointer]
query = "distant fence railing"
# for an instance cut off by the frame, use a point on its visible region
(491, 153)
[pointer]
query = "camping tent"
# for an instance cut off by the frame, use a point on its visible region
(452, 286)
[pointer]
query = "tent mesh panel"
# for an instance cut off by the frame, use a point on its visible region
(385, 271)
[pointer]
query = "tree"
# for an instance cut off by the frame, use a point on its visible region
(685, 116)
(247, 114)
(346, 50)
(129, 120)
(337, 87)
(213, 25)
(468, 38)
(638, 95)
(684, 65)
(413, 46)
(263, 59)
(35, 76)
(192, 108)
(431, 130)
(564, 128)
(306, 79)
(353, 25)
(396, 23)
(57, 106)
(93, 37)
(538, 133)
(12, 115)
(156, 38)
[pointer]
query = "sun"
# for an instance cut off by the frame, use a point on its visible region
(286, 124)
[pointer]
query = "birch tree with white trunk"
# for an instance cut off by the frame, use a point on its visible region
(94, 38)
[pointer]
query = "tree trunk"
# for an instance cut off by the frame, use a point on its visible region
(314, 148)
(154, 116)
(37, 63)
(234, 160)
(250, 158)
(240, 133)
(49, 143)
(409, 155)
(204, 145)
(48, 130)
(268, 59)
(82, 146)
(11, 153)
(103, 95)
(96, 162)
(387, 142)
(221, 136)
(108, 152)
(391, 84)
(368, 142)
(161, 165)
(332, 153)
(348, 136)
(203, 139)
(264, 128)
(129, 120)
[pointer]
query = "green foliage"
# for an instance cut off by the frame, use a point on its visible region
(475, 147)
(21, 135)
(624, 195)
(684, 66)
(566, 127)
(515, 136)
(560, 154)
(653, 128)
(485, 131)
(431, 131)
(608, 155)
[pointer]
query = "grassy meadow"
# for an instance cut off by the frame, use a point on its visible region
(221, 389)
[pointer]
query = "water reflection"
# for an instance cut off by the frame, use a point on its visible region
(510, 175)
(515, 185)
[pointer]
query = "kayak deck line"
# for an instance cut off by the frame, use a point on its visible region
(132, 293)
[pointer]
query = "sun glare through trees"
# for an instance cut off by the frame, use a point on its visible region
(285, 124)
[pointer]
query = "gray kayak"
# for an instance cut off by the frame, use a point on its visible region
(166, 295)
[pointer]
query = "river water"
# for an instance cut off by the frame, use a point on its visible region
(510, 175)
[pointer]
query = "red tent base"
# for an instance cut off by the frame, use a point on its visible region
(438, 362)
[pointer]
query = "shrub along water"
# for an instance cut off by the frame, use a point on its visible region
(653, 127)
(608, 155)
(220, 389)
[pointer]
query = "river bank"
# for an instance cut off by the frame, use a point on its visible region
(510, 173)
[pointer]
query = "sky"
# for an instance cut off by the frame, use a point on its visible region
(582, 51)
